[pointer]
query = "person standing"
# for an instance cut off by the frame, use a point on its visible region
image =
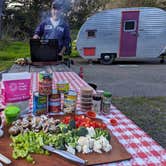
(55, 27)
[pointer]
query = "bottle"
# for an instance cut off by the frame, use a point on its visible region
(97, 103)
(100, 93)
(106, 102)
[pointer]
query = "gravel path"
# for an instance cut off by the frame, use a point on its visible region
(126, 78)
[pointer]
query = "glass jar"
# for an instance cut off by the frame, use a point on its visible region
(97, 103)
(106, 102)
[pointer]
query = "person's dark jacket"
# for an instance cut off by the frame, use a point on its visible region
(47, 31)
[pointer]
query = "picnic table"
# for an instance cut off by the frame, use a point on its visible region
(144, 150)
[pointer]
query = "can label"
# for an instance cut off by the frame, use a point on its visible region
(39, 104)
(45, 83)
(71, 95)
(62, 86)
(69, 106)
(55, 102)
(54, 106)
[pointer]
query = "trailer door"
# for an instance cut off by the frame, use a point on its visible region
(129, 33)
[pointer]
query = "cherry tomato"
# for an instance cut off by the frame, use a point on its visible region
(91, 114)
(113, 122)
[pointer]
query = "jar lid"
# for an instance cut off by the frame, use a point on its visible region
(12, 111)
(86, 90)
(107, 94)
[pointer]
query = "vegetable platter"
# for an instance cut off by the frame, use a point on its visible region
(87, 138)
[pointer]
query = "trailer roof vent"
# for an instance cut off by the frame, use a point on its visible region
(91, 33)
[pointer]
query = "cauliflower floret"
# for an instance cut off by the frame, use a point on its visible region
(105, 144)
(79, 148)
(107, 148)
(91, 143)
(91, 131)
(85, 149)
(70, 149)
(83, 141)
(97, 146)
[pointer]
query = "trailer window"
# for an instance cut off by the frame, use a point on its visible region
(91, 33)
(129, 25)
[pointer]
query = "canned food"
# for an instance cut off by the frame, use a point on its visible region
(55, 101)
(45, 83)
(69, 106)
(71, 95)
(62, 86)
(39, 104)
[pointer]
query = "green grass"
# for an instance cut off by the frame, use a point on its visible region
(10, 50)
(148, 113)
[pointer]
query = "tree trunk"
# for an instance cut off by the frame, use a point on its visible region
(1, 8)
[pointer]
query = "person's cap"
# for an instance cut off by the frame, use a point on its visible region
(56, 5)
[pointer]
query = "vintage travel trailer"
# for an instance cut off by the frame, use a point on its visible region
(123, 33)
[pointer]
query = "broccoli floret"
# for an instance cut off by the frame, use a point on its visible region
(63, 127)
(72, 124)
(82, 131)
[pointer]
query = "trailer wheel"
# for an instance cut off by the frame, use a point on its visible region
(162, 60)
(107, 59)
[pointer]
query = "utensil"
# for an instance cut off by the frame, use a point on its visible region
(4, 159)
(65, 154)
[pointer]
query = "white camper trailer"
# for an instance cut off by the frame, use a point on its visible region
(123, 33)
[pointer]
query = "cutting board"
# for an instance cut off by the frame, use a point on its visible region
(118, 153)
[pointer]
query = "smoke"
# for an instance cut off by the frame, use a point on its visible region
(65, 6)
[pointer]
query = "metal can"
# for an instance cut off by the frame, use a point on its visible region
(45, 83)
(69, 106)
(62, 86)
(39, 104)
(55, 101)
(71, 95)
(70, 101)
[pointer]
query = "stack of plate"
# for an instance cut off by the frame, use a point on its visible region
(86, 99)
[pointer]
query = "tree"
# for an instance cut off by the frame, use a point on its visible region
(26, 15)
(161, 4)
(1, 8)
(131, 3)
(82, 9)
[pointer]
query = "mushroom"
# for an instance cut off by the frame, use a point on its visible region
(25, 123)
(17, 122)
(14, 130)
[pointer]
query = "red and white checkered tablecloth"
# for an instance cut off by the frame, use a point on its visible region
(144, 150)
